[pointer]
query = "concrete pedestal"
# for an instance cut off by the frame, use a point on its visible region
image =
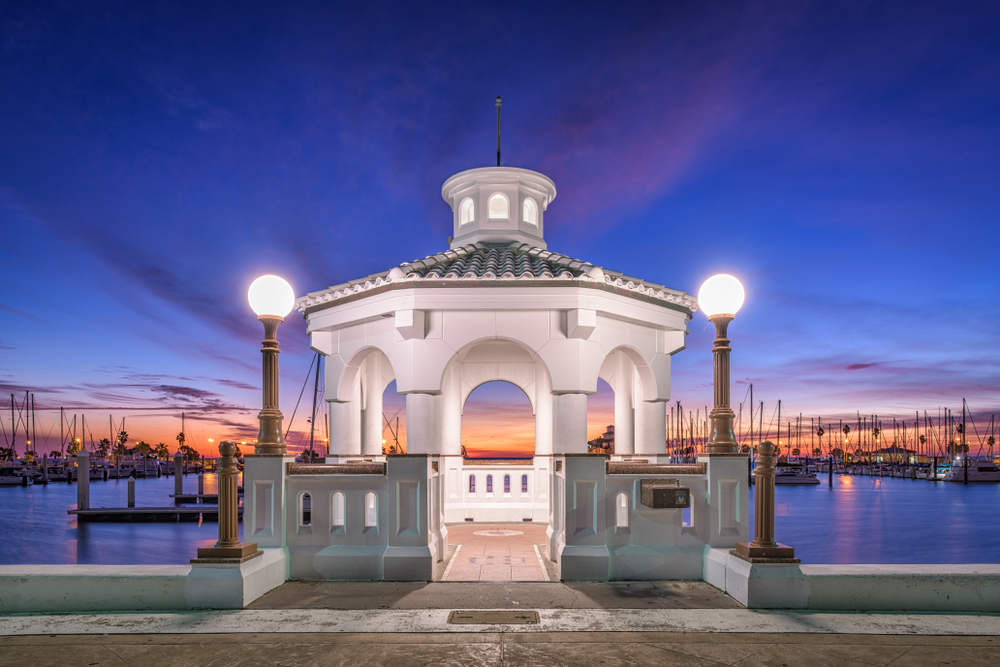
(263, 495)
(584, 555)
(234, 585)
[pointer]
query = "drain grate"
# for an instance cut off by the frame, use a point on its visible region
(493, 618)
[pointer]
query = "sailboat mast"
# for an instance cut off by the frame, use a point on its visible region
(779, 427)
(312, 421)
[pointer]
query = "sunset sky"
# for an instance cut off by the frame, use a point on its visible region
(842, 159)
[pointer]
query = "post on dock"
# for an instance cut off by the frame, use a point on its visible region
(933, 475)
(83, 480)
(829, 472)
(229, 545)
(201, 482)
(178, 479)
(131, 491)
(763, 545)
(45, 468)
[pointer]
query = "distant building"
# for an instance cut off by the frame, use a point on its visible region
(604, 444)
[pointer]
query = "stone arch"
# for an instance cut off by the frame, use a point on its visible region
(641, 390)
(351, 372)
(497, 359)
(651, 386)
(354, 395)
(491, 359)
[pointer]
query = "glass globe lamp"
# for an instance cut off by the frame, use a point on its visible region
(271, 295)
(721, 295)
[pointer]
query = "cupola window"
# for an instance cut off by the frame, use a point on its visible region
(530, 213)
(467, 211)
(499, 208)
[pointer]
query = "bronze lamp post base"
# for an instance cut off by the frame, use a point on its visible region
(748, 550)
(241, 550)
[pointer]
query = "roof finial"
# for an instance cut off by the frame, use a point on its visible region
(498, 130)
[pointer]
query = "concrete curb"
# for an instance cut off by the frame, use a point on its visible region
(551, 620)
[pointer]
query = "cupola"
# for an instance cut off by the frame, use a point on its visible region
(498, 205)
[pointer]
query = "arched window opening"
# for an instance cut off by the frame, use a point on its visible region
(371, 510)
(524, 483)
(489, 484)
(530, 212)
(499, 207)
(305, 510)
(506, 483)
(466, 211)
(337, 510)
(486, 437)
(621, 511)
(472, 484)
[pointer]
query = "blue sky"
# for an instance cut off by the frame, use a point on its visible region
(841, 159)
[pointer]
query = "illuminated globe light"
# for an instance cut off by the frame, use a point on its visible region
(271, 295)
(721, 295)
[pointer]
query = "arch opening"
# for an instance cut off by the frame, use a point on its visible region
(497, 422)
(601, 419)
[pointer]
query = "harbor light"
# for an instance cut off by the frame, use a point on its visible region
(721, 297)
(271, 295)
(272, 298)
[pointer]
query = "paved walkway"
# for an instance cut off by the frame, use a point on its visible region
(498, 552)
(356, 595)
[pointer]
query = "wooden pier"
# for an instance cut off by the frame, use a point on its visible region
(148, 514)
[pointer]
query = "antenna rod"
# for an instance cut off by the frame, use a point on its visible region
(498, 130)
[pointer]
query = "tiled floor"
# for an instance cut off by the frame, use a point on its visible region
(496, 552)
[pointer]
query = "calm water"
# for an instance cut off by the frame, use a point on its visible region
(859, 520)
(34, 526)
(885, 520)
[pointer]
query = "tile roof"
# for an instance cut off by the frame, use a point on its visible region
(501, 263)
(480, 262)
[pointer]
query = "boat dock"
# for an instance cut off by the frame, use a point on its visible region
(148, 514)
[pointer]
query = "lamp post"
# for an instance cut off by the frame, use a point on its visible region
(721, 296)
(271, 298)
(229, 545)
(763, 545)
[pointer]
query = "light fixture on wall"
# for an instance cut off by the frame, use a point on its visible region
(272, 298)
(721, 297)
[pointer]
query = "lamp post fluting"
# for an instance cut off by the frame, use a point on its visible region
(721, 297)
(271, 298)
(270, 439)
(722, 439)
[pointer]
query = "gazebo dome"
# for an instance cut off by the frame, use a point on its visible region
(499, 228)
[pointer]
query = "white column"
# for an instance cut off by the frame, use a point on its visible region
(371, 414)
(451, 411)
(345, 425)
(624, 412)
(569, 423)
(650, 427)
(543, 411)
(423, 424)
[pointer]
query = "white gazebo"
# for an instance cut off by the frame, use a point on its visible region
(497, 305)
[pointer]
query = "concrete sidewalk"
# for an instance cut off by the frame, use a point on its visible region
(501, 649)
